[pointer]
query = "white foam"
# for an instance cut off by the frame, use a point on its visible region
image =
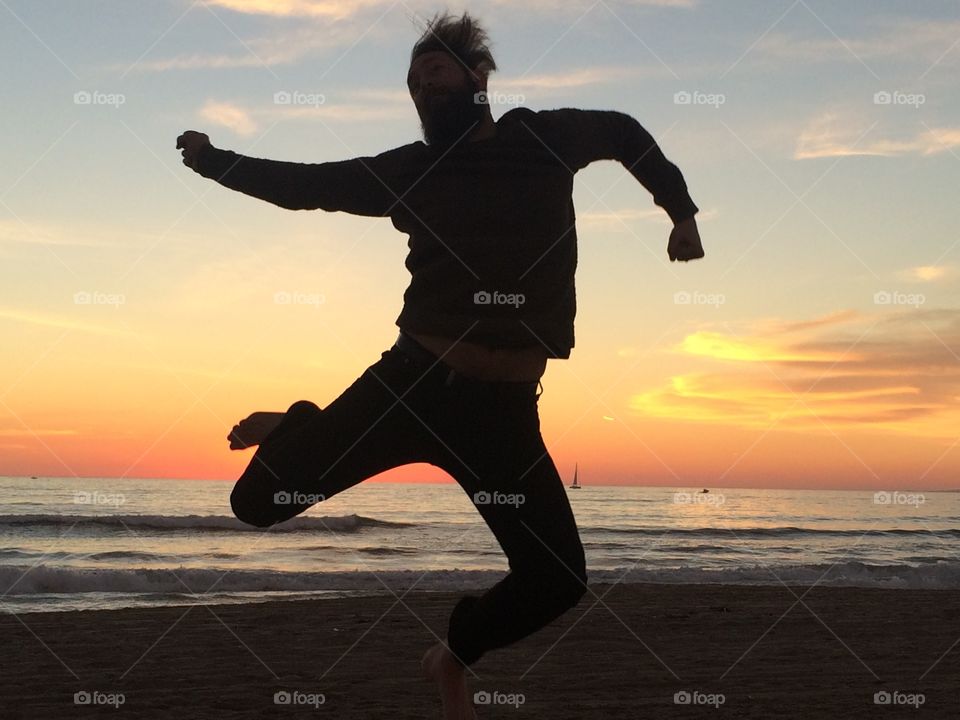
(339, 523)
(22, 580)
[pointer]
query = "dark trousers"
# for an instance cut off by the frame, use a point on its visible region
(411, 407)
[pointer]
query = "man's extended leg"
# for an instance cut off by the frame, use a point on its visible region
(505, 469)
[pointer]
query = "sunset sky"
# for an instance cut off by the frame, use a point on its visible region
(816, 345)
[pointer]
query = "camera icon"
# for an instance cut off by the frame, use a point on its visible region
(682, 98)
(282, 98)
(480, 98)
(82, 97)
(282, 498)
(82, 697)
(882, 697)
(481, 697)
(882, 98)
(683, 697)
(481, 298)
(881, 498)
(281, 697)
(681, 298)
(481, 498)
(882, 298)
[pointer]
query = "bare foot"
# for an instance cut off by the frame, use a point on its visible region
(441, 666)
(253, 429)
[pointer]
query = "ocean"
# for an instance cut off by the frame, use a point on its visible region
(97, 543)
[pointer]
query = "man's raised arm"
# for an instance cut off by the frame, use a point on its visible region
(579, 137)
(361, 186)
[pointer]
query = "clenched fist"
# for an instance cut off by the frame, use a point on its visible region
(192, 141)
(684, 243)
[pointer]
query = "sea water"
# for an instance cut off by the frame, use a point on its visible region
(88, 543)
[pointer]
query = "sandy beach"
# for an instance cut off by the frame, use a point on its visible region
(624, 652)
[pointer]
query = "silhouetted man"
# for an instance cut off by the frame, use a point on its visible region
(489, 213)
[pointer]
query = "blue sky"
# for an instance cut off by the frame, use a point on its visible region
(821, 143)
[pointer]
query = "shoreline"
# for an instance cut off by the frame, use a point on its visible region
(141, 600)
(797, 651)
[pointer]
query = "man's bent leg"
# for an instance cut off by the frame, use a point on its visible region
(314, 454)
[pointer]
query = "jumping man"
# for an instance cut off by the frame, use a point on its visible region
(489, 213)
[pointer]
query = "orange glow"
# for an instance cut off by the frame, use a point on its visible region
(769, 408)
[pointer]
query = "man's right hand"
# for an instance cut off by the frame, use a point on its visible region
(192, 141)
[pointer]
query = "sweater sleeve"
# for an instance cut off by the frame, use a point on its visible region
(579, 137)
(361, 186)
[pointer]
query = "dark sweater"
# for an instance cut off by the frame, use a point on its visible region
(491, 223)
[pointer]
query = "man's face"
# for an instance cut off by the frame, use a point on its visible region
(444, 95)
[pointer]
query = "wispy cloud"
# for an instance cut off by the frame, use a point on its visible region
(27, 433)
(246, 121)
(553, 83)
(229, 116)
(280, 47)
(888, 37)
(57, 321)
(926, 273)
(331, 9)
(342, 9)
(835, 135)
(897, 372)
(33, 232)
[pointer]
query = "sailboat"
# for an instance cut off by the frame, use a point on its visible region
(576, 483)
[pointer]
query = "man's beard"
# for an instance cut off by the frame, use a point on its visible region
(451, 117)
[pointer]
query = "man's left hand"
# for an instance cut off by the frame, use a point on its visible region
(684, 243)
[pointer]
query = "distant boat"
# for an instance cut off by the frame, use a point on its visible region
(576, 483)
(704, 491)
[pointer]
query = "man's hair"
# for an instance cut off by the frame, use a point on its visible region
(462, 37)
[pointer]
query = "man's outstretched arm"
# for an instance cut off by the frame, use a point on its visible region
(360, 186)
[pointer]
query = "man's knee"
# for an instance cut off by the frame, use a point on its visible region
(258, 504)
(252, 508)
(562, 582)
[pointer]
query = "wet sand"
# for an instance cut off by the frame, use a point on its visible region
(625, 651)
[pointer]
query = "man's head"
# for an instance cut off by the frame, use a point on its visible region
(449, 66)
